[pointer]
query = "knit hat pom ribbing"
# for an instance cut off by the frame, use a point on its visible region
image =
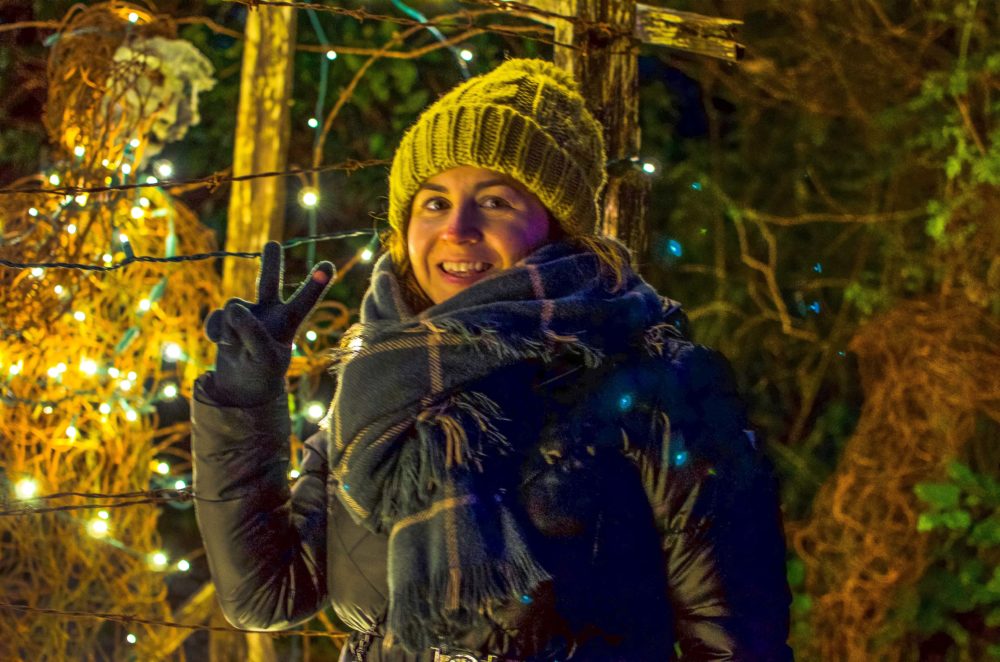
(525, 119)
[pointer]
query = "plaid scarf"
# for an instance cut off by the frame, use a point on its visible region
(418, 444)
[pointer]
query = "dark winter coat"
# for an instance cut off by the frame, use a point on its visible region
(690, 552)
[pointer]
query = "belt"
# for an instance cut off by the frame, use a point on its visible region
(441, 656)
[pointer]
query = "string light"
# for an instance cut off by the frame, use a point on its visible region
(183, 565)
(79, 151)
(312, 122)
(71, 228)
(180, 485)
(37, 272)
(331, 55)
(25, 488)
(151, 180)
(54, 179)
(172, 352)
(311, 335)
(164, 168)
(15, 368)
(113, 372)
(367, 255)
(98, 528)
(32, 211)
(133, 143)
(47, 409)
(308, 197)
(58, 289)
(648, 168)
(144, 305)
(293, 474)
(126, 169)
(158, 560)
(674, 248)
(131, 416)
(107, 258)
(466, 55)
(315, 411)
(103, 514)
(695, 186)
(137, 212)
(104, 408)
(132, 375)
(144, 201)
(170, 391)
(81, 199)
(123, 238)
(88, 367)
(130, 637)
(125, 385)
(71, 432)
(162, 468)
(133, 17)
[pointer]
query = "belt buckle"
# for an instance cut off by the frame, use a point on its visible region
(440, 656)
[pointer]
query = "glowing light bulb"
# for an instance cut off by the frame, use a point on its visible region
(103, 514)
(79, 151)
(356, 344)
(54, 179)
(123, 238)
(367, 255)
(183, 565)
(163, 468)
(71, 228)
(180, 485)
(88, 367)
(58, 289)
(126, 169)
(71, 432)
(331, 55)
(131, 416)
(293, 474)
(125, 385)
(151, 180)
(165, 169)
(144, 305)
(130, 637)
(107, 258)
(133, 143)
(25, 488)
(133, 17)
(137, 212)
(648, 168)
(131, 375)
(170, 391)
(312, 122)
(32, 211)
(79, 316)
(81, 199)
(172, 352)
(107, 164)
(308, 197)
(47, 409)
(315, 411)
(104, 408)
(98, 528)
(37, 272)
(113, 372)
(158, 560)
(466, 55)
(311, 335)
(143, 201)
(15, 368)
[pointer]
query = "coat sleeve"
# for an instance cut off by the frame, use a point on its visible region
(723, 536)
(265, 542)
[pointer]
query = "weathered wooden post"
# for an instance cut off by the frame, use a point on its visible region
(600, 48)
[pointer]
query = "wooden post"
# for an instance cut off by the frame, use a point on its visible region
(257, 206)
(604, 60)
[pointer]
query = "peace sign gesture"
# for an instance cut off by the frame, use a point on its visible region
(255, 339)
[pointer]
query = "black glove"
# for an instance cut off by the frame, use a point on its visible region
(255, 339)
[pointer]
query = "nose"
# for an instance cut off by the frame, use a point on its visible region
(463, 225)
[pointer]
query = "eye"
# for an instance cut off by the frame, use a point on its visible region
(436, 203)
(495, 202)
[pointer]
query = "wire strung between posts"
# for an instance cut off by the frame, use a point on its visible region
(212, 181)
(128, 619)
(132, 259)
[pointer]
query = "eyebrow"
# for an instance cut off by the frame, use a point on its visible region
(481, 185)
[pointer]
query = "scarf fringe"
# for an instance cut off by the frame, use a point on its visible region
(463, 596)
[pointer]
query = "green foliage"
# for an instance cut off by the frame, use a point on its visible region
(964, 516)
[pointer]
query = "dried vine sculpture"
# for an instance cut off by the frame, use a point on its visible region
(928, 370)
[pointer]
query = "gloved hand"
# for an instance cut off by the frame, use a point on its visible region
(254, 340)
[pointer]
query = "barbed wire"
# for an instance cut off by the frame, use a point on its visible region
(213, 181)
(135, 259)
(128, 619)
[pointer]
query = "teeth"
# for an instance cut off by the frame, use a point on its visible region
(465, 267)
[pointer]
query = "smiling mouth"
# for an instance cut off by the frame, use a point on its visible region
(464, 269)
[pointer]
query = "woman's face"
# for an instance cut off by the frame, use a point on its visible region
(467, 223)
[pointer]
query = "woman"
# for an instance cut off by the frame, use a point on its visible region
(524, 458)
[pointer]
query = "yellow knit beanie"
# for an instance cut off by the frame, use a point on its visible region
(525, 119)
